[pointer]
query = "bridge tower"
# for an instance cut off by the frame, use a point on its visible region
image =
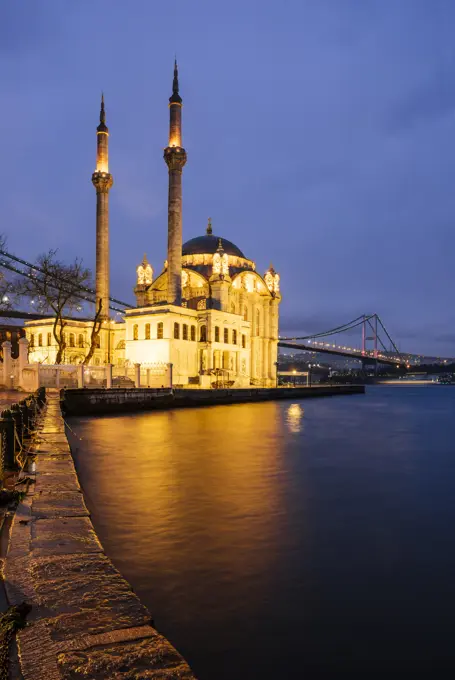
(102, 180)
(175, 158)
(374, 337)
(365, 337)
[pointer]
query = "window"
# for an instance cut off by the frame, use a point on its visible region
(217, 333)
(49, 339)
(243, 341)
(80, 340)
(203, 334)
(71, 339)
(159, 331)
(258, 321)
(193, 333)
(97, 342)
(32, 340)
(234, 337)
(135, 331)
(245, 313)
(176, 331)
(185, 331)
(147, 331)
(226, 335)
(40, 340)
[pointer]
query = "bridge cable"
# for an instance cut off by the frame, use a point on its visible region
(39, 269)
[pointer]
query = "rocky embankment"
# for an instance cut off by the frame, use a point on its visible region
(83, 619)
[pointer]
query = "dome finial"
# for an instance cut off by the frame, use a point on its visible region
(209, 227)
(220, 248)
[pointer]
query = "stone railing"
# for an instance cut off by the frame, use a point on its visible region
(17, 424)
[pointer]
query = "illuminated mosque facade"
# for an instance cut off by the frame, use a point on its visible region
(208, 313)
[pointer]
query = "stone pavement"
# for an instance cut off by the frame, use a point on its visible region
(85, 621)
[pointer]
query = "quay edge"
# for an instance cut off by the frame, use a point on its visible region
(84, 621)
(76, 402)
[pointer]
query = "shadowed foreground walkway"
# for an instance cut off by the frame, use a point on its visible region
(85, 621)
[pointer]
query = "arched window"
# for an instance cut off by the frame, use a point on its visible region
(80, 340)
(226, 335)
(217, 333)
(245, 313)
(147, 331)
(40, 340)
(32, 340)
(203, 334)
(193, 333)
(159, 331)
(185, 332)
(258, 321)
(135, 331)
(176, 331)
(71, 339)
(234, 337)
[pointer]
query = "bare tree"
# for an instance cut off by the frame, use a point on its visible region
(95, 334)
(55, 288)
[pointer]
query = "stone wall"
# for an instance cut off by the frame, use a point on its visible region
(93, 402)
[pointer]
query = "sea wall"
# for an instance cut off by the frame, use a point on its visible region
(102, 401)
(83, 619)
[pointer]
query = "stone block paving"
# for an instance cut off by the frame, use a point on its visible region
(85, 621)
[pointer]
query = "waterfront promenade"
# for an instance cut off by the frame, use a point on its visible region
(84, 620)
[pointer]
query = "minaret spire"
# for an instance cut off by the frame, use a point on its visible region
(102, 111)
(175, 157)
(102, 181)
(175, 85)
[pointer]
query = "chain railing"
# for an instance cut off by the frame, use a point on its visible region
(17, 425)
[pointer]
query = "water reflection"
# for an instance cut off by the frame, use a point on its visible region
(263, 542)
(294, 417)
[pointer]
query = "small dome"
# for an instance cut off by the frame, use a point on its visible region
(209, 244)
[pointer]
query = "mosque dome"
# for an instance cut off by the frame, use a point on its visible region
(208, 244)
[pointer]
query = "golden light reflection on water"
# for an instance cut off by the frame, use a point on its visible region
(294, 418)
(202, 489)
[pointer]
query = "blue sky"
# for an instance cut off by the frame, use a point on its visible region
(320, 136)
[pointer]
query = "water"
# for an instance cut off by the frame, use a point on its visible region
(284, 540)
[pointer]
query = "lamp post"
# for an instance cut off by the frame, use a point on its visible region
(309, 374)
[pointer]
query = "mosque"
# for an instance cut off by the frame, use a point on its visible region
(207, 313)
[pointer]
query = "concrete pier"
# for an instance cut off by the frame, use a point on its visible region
(118, 400)
(85, 621)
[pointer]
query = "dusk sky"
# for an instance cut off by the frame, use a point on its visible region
(320, 136)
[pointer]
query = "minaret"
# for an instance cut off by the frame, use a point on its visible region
(175, 157)
(102, 181)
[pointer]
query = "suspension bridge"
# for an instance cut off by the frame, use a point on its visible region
(376, 342)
